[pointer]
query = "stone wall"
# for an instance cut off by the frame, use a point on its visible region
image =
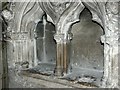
(86, 47)
(1, 64)
(20, 40)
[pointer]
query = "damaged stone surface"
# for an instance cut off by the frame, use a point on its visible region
(20, 37)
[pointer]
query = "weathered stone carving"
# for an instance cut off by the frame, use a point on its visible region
(20, 31)
(108, 18)
(63, 15)
(62, 21)
(111, 45)
(86, 58)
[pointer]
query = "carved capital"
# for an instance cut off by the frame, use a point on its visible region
(63, 38)
(59, 38)
(70, 36)
(17, 36)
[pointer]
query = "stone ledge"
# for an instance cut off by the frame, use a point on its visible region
(52, 82)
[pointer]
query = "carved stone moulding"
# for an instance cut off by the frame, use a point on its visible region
(63, 15)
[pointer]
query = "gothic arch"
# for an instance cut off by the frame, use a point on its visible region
(23, 21)
(101, 13)
(63, 15)
(86, 50)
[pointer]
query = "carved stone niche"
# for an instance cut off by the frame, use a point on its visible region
(52, 38)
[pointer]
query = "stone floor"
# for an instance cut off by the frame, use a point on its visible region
(43, 81)
(24, 79)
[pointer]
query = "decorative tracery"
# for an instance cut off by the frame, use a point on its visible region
(63, 15)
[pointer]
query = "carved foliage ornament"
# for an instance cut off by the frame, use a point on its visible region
(63, 14)
(56, 10)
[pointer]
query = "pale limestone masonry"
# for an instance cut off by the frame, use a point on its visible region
(20, 35)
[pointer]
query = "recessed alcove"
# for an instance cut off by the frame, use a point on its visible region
(59, 44)
(86, 50)
(45, 47)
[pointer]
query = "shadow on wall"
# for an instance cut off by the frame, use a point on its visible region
(45, 42)
(86, 47)
(45, 46)
(86, 56)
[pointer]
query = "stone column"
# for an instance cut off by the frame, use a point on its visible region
(63, 16)
(110, 40)
(59, 62)
(66, 53)
(62, 54)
